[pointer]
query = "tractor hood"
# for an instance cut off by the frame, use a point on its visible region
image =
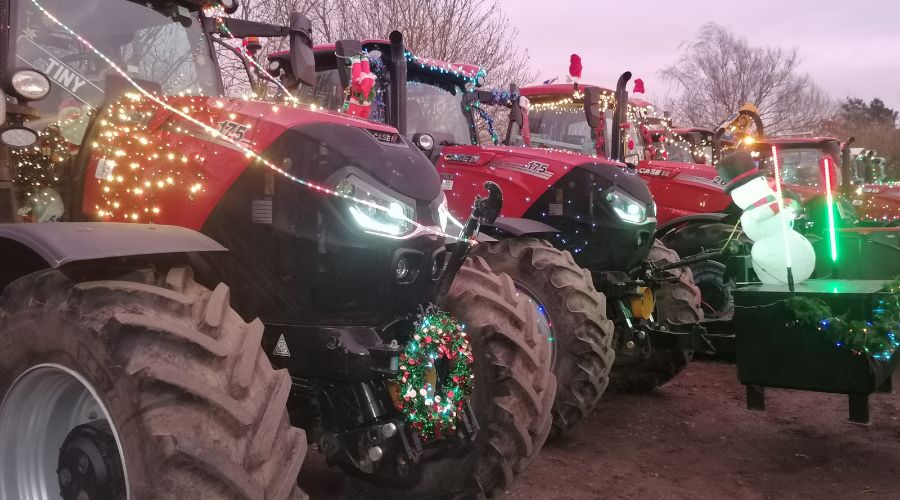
(322, 143)
(528, 172)
(692, 173)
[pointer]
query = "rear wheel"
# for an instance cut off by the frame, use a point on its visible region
(573, 314)
(677, 302)
(141, 386)
(710, 277)
(513, 393)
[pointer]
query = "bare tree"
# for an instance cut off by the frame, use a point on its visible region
(719, 72)
(468, 31)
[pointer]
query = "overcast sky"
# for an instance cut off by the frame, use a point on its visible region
(847, 47)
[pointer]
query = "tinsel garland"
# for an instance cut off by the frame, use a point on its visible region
(435, 376)
(876, 338)
(489, 121)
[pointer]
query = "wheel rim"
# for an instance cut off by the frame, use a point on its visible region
(545, 323)
(37, 415)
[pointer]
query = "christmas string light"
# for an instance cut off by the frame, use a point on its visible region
(875, 337)
(218, 135)
(446, 68)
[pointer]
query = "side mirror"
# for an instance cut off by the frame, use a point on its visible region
(303, 60)
(592, 106)
(515, 111)
(345, 49)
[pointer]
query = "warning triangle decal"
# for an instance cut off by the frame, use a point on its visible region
(281, 348)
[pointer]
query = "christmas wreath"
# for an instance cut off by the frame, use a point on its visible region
(876, 338)
(435, 376)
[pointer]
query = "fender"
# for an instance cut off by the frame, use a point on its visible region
(25, 248)
(514, 226)
(707, 217)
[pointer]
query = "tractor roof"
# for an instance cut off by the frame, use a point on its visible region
(688, 130)
(463, 71)
(557, 89)
(789, 141)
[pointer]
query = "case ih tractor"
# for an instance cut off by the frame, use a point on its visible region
(575, 234)
(867, 249)
(124, 370)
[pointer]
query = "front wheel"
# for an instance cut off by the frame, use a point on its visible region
(573, 316)
(512, 396)
(139, 386)
(677, 302)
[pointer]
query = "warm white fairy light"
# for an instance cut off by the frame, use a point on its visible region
(216, 134)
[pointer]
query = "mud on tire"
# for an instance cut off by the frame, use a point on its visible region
(583, 336)
(198, 409)
(677, 302)
(513, 394)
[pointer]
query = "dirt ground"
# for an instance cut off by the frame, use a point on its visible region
(694, 439)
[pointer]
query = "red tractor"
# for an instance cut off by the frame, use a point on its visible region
(575, 233)
(126, 373)
(695, 214)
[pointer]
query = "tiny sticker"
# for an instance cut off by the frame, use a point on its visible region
(556, 209)
(104, 168)
(281, 348)
(446, 185)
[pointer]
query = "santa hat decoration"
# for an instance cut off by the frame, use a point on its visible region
(638, 86)
(69, 109)
(575, 69)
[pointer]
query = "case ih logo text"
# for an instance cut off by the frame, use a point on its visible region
(459, 157)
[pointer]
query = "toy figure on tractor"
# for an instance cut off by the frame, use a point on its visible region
(574, 233)
(124, 376)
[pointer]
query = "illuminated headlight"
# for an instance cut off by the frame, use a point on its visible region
(627, 208)
(376, 212)
(30, 85)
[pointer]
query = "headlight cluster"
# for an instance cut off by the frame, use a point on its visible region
(627, 208)
(380, 214)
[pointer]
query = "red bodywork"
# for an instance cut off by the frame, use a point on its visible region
(678, 188)
(527, 173)
(186, 187)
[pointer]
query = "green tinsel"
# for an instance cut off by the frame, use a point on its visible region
(437, 336)
(876, 338)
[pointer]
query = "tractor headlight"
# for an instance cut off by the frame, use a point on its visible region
(627, 208)
(30, 85)
(376, 212)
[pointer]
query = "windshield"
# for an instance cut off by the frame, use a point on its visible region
(437, 108)
(561, 126)
(167, 55)
(799, 166)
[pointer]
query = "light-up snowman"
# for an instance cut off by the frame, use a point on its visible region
(776, 246)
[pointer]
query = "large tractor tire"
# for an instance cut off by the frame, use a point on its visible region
(512, 397)
(710, 277)
(677, 302)
(573, 315)
(142, 385)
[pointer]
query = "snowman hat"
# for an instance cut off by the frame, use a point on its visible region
(737, 169)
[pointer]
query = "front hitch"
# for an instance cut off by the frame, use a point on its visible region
(485, 210)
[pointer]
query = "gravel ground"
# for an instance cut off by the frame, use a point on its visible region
(694, 439)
